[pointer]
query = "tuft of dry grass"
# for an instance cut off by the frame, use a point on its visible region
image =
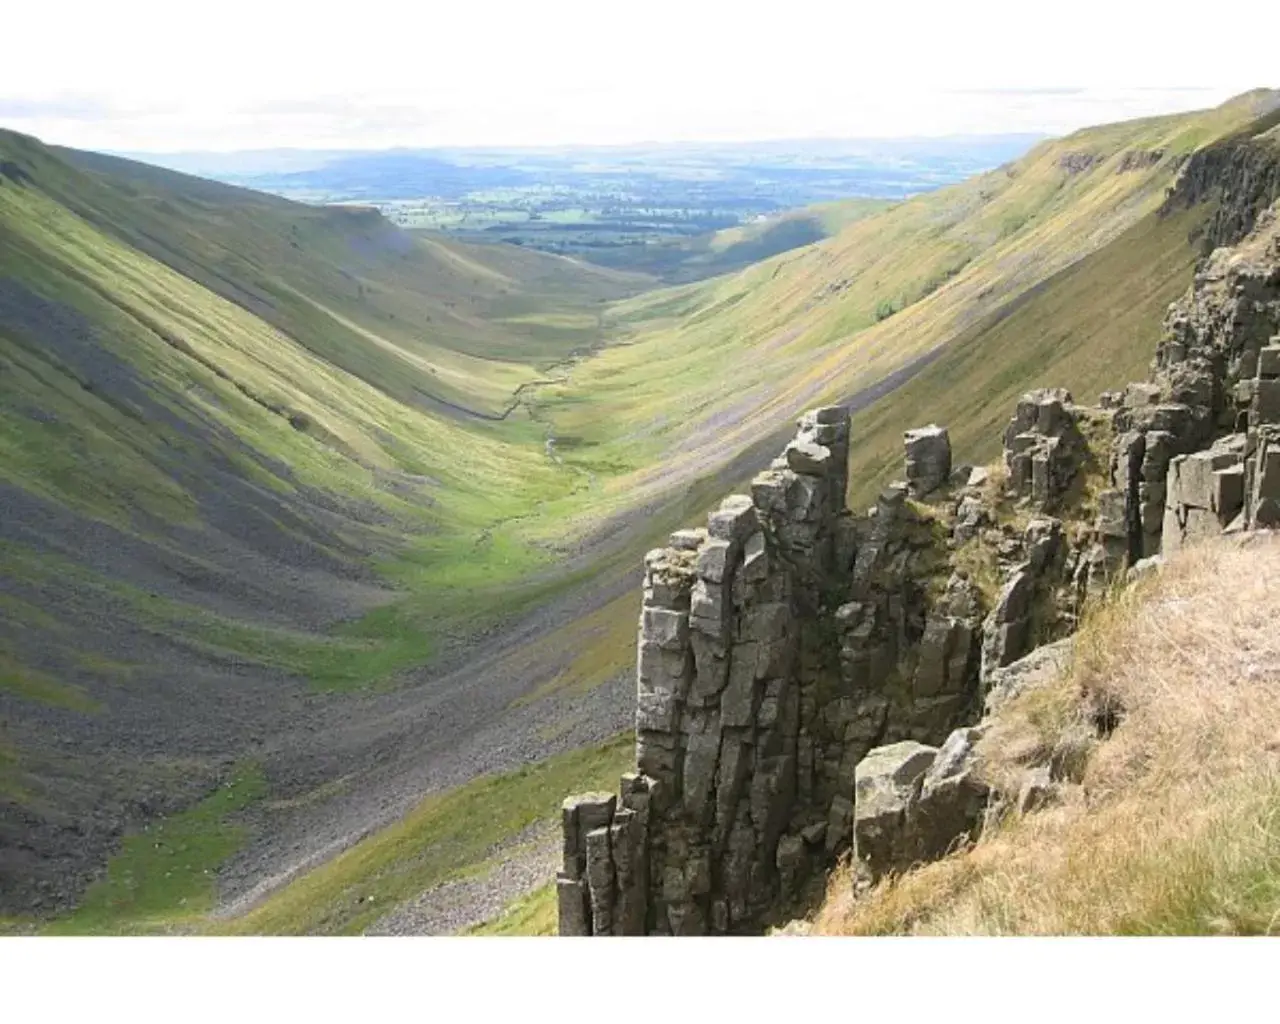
(1169, 818)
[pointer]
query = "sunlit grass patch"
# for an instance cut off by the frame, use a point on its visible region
(163, 878)
(536, 913)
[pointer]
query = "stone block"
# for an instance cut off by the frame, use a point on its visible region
(715, 560)
(662, 668)
(806, 498)
(702, 755)
(808, 458)
(656, 709)
(707, 608)
(732, 771)
(1269, 362)
(1141, 394)
(1014, 599)
(1228, 492)
(657, 757)
(664, 628)
(636, 791)
(735, 520)
(791, 861)
(1191, 481)
(1266, 403)
(1113, 516)
(688, 540)
(711, 667)
(600, 880)
(1267, 478)
(571, 897)
(769, 491)
(765, 622)
(1159, 449)
(952, 800)
(830, 414)
(741, 694)
(887, 780)
(897, 766)
(581, 814)
(928, 465)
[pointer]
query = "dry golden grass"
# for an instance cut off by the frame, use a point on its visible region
(1173, 823)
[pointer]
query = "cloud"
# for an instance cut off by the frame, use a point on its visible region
(1034, 90)
(70, 108)
(147, 75)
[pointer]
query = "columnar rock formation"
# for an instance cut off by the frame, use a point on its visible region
(766, 640)
(805, 674)
(928, 459)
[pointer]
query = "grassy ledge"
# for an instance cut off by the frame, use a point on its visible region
(533, 914)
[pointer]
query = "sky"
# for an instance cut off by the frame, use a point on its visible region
(142, 76)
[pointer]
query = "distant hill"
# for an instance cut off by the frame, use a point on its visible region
(451, 171)
(679, 260)
(709, 368)
(683, 211)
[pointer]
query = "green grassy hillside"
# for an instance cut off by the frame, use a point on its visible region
(251, 450)
(418, 317)
(700, 373)
(232, 428)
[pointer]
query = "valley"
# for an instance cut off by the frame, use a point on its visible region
(321, 536)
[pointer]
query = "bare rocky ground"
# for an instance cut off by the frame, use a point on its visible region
(394, 749)
(513, 869)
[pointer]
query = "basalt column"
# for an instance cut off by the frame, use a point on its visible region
(691, 846)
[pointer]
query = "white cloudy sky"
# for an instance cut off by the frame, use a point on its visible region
(142, 75)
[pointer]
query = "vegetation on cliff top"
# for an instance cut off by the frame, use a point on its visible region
(1169, 823)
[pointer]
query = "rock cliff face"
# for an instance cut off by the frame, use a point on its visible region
(806, 674)
(1241, 174)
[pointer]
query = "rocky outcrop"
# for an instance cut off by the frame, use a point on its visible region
(887, 784)
(777, 646)
(1194, 450)
(1042, 446)
(914, 803)
(928, 459)
(1240, 174)
(807, 676)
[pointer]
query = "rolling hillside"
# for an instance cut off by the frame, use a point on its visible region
(268, 469)
(223, 418)
(699, 374)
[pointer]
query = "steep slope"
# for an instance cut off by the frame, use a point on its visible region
(1087, 326)
(209, 443)
(448, 321)
(701, 374)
